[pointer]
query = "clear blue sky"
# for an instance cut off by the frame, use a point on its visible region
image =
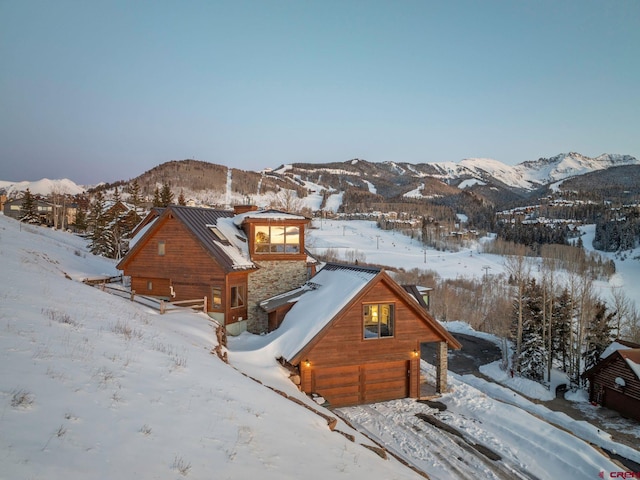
(105, 90)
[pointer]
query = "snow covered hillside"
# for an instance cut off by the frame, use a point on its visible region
(95, 386)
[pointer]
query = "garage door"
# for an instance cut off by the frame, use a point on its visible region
(620, 402)
(366, 383)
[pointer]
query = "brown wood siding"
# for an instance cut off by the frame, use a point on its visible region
(618, 401)
(160, 287)
(276, 317)
(235, 314)
(343, 344)
(355, 384)
(384, 362)
(186, 265)
(604, 389)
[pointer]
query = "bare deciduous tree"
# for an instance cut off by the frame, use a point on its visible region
(519, 268)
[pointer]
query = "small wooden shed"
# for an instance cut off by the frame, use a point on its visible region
(615, 382)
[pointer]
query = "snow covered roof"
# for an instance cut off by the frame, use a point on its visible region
(320, 300)
(632, 357)
(618, 345)
(215, 231)
(141, 233)
(266, 215)
(232, 252)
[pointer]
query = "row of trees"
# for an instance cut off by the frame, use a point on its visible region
(533, 234)
(551, 316)
(110, 224)
(55, 213)
(618, 232)
(560, 323)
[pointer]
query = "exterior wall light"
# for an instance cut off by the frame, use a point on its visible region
(307, 363)
(415, 353)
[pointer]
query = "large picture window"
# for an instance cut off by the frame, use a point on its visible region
(238, 296)
(277, 239)
(378, 320)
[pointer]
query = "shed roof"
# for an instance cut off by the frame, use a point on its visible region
(631, 356)
(618, 344)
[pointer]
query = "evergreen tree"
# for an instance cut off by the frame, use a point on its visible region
(561, 326)
(533, 355)
(181, 199)
(134, 192)
(116, 195)
(166, 196)
(81, 222)
(29, 209)
(100, 235)
(599, 335)
(156, 198)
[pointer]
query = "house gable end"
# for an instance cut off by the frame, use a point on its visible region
(140, 245)
(198, 223)
(351, 317)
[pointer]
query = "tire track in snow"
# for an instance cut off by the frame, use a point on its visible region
(428, 449)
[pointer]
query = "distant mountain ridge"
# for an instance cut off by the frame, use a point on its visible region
(533, 174)
(42, 187)
(363, 182)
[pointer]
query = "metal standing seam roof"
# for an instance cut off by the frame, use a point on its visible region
(199, 221)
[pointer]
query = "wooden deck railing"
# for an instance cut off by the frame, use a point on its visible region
(196, 304)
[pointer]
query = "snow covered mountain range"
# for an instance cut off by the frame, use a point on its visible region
(487, 178)
(43, 187)
(533, 174)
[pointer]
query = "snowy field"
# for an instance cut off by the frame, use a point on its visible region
(95, 386)
(391, 248)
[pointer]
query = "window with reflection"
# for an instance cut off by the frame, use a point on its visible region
(277, 239)
(216, 297)
(378, 320)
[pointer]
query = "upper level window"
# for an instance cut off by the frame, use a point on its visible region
(277, 239)
(161, 245)
(378, 320)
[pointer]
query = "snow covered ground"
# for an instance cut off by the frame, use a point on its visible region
(394, 249)
(95, 386)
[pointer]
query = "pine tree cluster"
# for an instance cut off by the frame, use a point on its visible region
(559, 330)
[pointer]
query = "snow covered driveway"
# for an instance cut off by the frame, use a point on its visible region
(528, 446)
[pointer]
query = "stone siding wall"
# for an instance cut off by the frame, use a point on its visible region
(273, 278)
